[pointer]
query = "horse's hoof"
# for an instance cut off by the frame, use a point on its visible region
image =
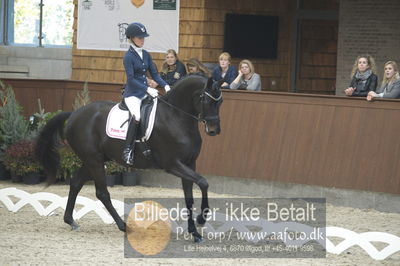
(200, 220)
(74, 226)
(197, 237)
(122, 227)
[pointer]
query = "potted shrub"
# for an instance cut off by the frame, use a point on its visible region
(130, 177)
(69, 163)
(4, 173)
(13, 125)
(113, 173)
(39, 119)
(20, 159)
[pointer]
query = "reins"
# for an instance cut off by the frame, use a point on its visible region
(199, 119)
(180, 110)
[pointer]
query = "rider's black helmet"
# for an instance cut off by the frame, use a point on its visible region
(136, 29)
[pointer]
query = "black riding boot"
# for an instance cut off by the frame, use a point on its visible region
(127, 154)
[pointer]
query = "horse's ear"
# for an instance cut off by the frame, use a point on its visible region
(210, 83)
(219, 83)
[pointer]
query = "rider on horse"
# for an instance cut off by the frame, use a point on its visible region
(137, 62)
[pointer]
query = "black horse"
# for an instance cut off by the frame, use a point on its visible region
(175, 144)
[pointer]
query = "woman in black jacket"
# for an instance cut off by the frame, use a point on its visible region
(172, 70)
(363, 78)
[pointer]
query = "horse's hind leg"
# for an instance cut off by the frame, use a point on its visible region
(82, 175)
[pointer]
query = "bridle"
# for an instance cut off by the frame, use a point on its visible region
(202, 100)
(200, 117)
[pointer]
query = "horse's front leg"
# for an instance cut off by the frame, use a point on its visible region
(189, 176)
(188, 191)
(202, 217)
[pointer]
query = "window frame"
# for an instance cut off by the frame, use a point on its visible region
(7, 27)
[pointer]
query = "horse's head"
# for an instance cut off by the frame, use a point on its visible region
(210, 101)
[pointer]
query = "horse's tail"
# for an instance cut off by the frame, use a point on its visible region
(47, 144)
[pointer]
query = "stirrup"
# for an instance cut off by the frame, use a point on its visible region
(147, 154)
(127, 156)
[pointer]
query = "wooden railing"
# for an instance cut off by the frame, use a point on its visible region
(297, 138)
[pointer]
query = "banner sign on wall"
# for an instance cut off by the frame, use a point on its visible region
(102, 24)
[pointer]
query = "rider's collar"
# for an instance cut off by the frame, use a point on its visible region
(138, 50)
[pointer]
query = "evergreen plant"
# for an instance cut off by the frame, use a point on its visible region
(82, 97)
(13, 125)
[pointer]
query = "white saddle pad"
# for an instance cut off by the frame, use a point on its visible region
(117, 123)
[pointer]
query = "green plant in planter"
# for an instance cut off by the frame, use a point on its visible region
(82, 98)
(69, 162)
(20, 159)
(39, 119)
(113, 168)
(13, 125)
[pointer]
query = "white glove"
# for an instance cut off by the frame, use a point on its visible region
(152, 92)
(167, 88)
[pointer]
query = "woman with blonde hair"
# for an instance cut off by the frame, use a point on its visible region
(137, 61)
(225, 70)
(247, 79)
(390, 87)
(172, 70)
(195, 67)
(363, 76)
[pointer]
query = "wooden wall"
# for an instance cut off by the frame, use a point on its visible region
(201, 35)
(58, 94)
(319, 140)
(317, 56)
(271, 70)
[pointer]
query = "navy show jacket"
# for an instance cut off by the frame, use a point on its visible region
(136, 68)
(230, 75)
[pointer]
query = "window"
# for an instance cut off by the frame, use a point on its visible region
(37, 22)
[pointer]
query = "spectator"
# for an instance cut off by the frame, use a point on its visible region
(195, 67)
(172, 70)
(363, 78)
(225, 70)
(390, 87)
(247, 79)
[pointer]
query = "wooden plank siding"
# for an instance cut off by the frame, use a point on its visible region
(308, 139)
(201, 35)
(58, 94)
(277, 70)
(318, 53)
(327, 141)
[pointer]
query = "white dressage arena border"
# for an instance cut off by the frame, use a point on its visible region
(351, 238)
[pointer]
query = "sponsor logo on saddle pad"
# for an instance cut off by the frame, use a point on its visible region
(118, 120)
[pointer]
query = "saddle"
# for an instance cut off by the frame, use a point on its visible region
(145, 111)
(119, 117)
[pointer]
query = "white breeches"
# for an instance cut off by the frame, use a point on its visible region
(134, 104)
